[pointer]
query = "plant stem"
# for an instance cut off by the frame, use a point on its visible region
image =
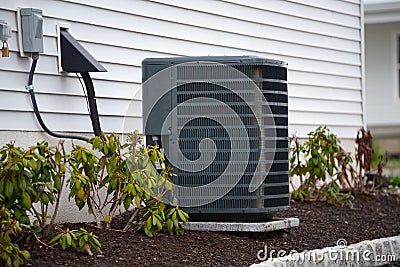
(37, 216)
(53, 218)
(95, 213)
(113, 209)
(128, 224)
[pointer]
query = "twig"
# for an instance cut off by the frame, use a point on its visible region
(41, 242)
(128, 224)
(37, 216)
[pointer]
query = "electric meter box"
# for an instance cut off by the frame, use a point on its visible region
(32, 30)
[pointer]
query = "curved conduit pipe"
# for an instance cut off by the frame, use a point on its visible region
(91, 96)
(29, 87)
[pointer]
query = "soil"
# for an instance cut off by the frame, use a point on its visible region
(321, 225)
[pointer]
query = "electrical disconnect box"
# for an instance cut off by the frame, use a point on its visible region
(32, 30)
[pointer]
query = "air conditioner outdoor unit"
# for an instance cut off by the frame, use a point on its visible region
(223, 125)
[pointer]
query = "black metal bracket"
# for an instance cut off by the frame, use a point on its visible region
(75, 58)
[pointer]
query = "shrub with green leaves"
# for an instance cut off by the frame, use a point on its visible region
(115, 175)
(10, 229)
(31, 176)
(17, 168)
(316, 159)
(74, 239)
(30, 180)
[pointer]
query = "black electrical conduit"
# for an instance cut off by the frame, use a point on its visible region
(94, 115)
(35, 57)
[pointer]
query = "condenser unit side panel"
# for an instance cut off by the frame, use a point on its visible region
(157, 99)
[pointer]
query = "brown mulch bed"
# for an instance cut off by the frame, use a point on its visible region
(321, 225)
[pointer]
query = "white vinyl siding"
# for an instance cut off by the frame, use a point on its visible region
(321, 41)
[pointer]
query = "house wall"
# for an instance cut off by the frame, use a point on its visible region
(382, 86)
(321, 41)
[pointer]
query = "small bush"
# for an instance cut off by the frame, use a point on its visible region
(81, 239)
(31, 176)
(10, 253)
(313, 161)
(33, 179)
(127, 173)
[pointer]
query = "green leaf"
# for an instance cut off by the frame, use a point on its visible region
(181, 216)
(185, 214)
(315, 161)
(148, 223)
(81, 193)
(159, 226)
(38, 156)
(17, 261)
(96, 142)
(148, 232)
(69, 239)
(73, 243)
(57, 157)
(26, 200)
(25, 254)
(174, 215)
(176, 223)
(127, 202)
(137, 202)
(25, 220)
(96, 243)
(169, 226)
(51, 187)
(330, 170)
(153, 157)
(159, 155)
(129, 188)
(56, 238)
(63, 243)
(84, 156)
(17, 213)
(9, 189)
(2, 182)
(22, 183)
(82, 243)
(57, 183)
(45, 199)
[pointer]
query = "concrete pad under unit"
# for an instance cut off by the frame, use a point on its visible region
(274, 225)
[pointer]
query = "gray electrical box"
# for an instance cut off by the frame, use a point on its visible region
(32, 30)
